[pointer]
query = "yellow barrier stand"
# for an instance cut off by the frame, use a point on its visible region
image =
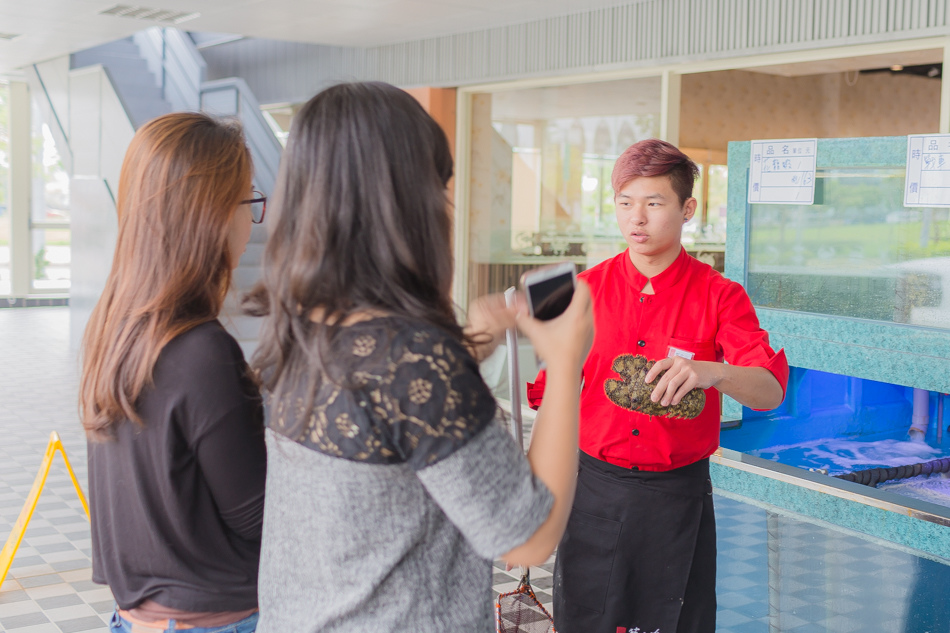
(13, 542)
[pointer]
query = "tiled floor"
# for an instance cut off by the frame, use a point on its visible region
(775, 573)
(48, 589)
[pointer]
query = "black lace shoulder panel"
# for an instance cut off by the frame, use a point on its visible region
(411, 394)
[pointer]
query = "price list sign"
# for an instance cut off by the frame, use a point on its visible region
(783, 171)
(927, 179)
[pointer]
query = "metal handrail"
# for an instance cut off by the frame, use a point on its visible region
(185, 68)
(173, 58)
(265, 148)
(48, 110)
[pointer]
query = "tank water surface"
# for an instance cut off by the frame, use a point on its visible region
(840, 456)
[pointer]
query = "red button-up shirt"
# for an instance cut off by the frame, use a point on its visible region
(693, 309)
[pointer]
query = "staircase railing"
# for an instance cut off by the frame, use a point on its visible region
(232, 97)
(95, 121)
(38, 86)
(173, 58)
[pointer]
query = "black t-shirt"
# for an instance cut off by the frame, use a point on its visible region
(177, 504)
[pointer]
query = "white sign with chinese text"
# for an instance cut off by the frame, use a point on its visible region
(927, 179)
(783, 171)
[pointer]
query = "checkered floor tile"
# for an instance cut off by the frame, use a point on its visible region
(48, 588)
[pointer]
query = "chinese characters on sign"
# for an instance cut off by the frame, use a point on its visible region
(927, 180)
(783, 171)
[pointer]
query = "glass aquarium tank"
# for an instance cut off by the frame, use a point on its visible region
(856, 289)
(857, 252)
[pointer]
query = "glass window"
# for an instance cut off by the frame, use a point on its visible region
(540, 188)
(857, 252)
(704, 236)
(49, 218)
(279, 117)
(5, 280)
(714, 230)
(540, 175)
(51, 260)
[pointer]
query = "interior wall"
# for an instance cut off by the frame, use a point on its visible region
(738, 105)
(882, 104)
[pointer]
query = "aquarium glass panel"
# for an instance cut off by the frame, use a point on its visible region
(778, 571)
(857, 252)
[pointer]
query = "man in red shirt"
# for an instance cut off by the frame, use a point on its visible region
(639, 552)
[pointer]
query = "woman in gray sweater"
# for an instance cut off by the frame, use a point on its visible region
(390, 485)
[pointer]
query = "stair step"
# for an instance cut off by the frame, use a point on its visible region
(90, 57)
(258, 234)
(247, 347)
(140, 88)
(126, 65)
(135, 100)
(93, 56)
(253, 255)
(242, 327)
(244, 277)
(142, 116)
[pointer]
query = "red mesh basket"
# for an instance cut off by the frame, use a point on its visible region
(520, 611)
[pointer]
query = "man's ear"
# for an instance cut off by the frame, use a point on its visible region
(689, 209)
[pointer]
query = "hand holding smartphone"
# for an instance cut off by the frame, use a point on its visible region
(548, 291)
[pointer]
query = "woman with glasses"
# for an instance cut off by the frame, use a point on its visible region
(174, 418)
(391, 486)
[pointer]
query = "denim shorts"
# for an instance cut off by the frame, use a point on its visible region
(121, 625)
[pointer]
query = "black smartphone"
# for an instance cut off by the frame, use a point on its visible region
(549, 289)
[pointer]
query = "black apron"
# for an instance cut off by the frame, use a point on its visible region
(639, 552)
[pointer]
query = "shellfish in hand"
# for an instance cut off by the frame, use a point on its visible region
(633, 394)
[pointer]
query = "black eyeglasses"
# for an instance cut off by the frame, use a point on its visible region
(258, 206)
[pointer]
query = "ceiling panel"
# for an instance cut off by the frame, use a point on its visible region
(51, 28)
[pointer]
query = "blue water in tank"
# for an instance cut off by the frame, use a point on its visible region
(840, 424)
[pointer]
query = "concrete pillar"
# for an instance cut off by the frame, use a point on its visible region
(670, 92)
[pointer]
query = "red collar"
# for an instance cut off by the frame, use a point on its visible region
(666, 279)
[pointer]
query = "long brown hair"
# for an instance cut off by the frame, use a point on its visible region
(359, 222)
(182, 178)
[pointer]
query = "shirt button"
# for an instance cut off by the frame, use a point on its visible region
(634, 468)
(641, 299)
(642, 343)
(636, 431)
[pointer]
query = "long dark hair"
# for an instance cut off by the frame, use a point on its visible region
(182, 178)
(360, 223)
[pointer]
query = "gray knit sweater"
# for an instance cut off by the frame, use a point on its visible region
(384, 511)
